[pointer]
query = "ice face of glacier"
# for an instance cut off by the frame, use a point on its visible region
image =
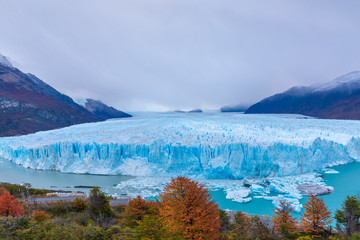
(208, 145)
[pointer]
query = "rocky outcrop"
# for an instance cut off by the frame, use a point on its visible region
(314, 189)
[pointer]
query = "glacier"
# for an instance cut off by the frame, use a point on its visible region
(246, 156)
(204, 145)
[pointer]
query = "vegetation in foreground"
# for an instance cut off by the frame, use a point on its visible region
(184, 211)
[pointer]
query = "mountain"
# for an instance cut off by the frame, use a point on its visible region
(28, 105)
(197, 110)
(103, 111)
(236, 108)
(338, 99)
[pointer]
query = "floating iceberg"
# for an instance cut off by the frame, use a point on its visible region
(207, 145)
(330, 171)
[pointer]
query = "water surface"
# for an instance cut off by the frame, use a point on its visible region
(346, 182)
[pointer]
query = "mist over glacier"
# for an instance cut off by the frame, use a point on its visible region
(206, 145)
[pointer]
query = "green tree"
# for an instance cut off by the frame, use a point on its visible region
(151, 227)
(224, 221)
(242, 226)
(99, 206)
(355, 236)
(259, 230)
(348, 218)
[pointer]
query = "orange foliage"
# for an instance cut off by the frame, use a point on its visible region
(79, 204)
(316, 216)
(40, 216)
(137, 208)
(187, 208)
(9, 205)
(284, 223)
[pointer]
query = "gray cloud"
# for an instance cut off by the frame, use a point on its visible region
(160, 55)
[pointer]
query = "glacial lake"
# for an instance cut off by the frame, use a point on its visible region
(346, 182)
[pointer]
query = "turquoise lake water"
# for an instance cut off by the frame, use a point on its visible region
(346, 182)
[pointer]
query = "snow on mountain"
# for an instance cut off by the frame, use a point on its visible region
(351, 80)
(80, 101)
(5, 61)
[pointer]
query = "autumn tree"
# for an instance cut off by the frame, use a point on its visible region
(284, 223)
(137, 209)
(186, 207)
(79, 204)
(40, 216)
(348, 218)
(316, 217)
(9, 205)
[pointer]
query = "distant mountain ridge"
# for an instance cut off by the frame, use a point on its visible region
(234, 108)
(102, 110)
(338, 99)
(27, 104)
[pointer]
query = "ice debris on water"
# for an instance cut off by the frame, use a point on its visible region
(273, 189)
(330, 171)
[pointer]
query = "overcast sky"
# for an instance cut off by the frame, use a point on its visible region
(180, 54)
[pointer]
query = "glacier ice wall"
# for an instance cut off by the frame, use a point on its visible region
(230, 146)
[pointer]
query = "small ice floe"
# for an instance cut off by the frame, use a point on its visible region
(330, 171)
(255, 188)
(278, 187)
(143, 186)
(295, 204)
(239, 195)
